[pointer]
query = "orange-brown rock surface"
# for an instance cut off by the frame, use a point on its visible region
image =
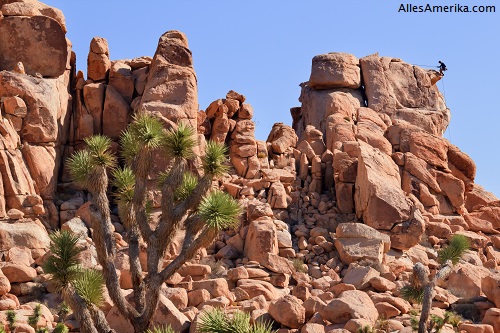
(338, 207)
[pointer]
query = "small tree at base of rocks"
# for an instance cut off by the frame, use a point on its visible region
(187, 201)
(421, 288)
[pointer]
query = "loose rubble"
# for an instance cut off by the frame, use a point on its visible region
(338, 206)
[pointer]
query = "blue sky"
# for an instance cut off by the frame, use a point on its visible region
(263, 49)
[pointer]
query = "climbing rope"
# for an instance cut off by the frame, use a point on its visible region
(444, 95)
(425, 66)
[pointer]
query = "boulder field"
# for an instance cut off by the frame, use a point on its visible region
(338, 207)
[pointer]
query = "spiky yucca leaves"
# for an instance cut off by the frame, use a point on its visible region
(63, 261)
(214, 321)
(217, 321)
(213, 161)
(35, 316)
(412, 293)
(98, 146)
(189, 182)
(161, 329)
(179, 142)
(61, 328)
(144, 131)
(11, 319)
(454, 251)
(89, 284)
(262, 327)
(219, 210)
(80, 167)
(240, 322)
(124, 181)
(82, 163)
(436, 323)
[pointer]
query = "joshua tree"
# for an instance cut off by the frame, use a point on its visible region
(421, 289)
(187, 201)
(81, 288)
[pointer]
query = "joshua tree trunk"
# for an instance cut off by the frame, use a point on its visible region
(100, 321)
(79, 307)
(429, 292)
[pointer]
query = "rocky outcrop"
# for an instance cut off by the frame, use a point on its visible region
(339, 206)
(44, 49)
(35, 105)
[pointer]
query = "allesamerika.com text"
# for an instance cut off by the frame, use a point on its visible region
(456, 8)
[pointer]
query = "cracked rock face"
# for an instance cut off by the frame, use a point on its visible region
(339, 207)
(38, 42)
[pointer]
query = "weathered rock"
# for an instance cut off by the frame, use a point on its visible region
(490, 286)
(171, 87)
(165, 313)
(282, 138)
(288, 311)
(98, 63)
(355, 249)
(18, 272)
(359, 276)
(335, 70)
(29, 234)
(379, 199)
(116, 112)
(278, 198)
(359, 230)
(409, 233)
(93, 95)
(261, 240)
(44, 49)
(492, 317)
(15, 106)
(475, 328)
(216, 287)
(120, 78)
(46, 102)
(392, 84)
(352, 304)
(41, 161)
(478, 196)
(4, 284)
(319, 105)
(256, 288)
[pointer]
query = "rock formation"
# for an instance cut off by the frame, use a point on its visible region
(338, 207)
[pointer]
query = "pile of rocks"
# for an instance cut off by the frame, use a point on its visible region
(339, 207)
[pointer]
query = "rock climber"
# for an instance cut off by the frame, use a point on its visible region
(442, 67)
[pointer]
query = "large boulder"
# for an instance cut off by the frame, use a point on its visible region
(47, 102)
(490, 286)
(261, 239)
(356, 241)
(282, 138)
(320, 106)
(98, 63)
(29, 234)
(288, 311)
(171, 87)
(351, 304)
(379, 199)
(335, 70)
(38, 42)
(393, 84)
